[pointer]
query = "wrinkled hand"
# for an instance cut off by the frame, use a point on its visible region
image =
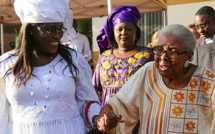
(107, 121)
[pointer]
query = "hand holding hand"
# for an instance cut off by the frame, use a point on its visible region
(107, 120)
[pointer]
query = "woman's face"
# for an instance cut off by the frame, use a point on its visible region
(125, 34)
(46, 37)
(171, 67)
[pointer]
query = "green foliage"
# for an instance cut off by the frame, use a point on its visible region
(85, 27)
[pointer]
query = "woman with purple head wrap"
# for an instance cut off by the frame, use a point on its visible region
(120, 56)
(119, 15)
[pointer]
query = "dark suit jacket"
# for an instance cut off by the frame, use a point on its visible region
(205, 56)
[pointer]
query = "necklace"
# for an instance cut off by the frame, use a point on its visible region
(46, 97)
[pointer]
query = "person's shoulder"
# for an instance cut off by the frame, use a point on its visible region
(11, 54)
(148, 66)
(80, 35)
(200, 42)
(204, 72)
(107, 52)
(144, 70)
(208, 47)
(145, 52)
(7, 60)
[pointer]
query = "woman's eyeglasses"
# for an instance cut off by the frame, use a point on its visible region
(52, 31)
(159, 51)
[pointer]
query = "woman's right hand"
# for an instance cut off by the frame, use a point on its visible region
(107, 119)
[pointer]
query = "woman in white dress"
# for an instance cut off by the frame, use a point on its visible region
(45, 86)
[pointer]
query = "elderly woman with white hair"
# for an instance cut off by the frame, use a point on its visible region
(170, 95)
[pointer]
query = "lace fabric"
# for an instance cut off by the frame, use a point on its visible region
(64, 112)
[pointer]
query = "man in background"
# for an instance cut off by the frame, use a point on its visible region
(81, 43)
(192, 28)
(204, 55)
(205, 25)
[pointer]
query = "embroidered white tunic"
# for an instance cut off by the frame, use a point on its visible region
(63, 111)
(162, 110)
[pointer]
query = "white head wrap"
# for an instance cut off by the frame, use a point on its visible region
(46, 11)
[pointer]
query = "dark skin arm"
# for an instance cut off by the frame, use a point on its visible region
(107, 119)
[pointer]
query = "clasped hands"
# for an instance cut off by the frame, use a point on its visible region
(107, 120)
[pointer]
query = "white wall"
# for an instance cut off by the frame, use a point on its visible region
(176, 14)
(184, 13)
(97, 25)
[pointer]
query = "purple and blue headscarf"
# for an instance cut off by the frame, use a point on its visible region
(120, 14)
